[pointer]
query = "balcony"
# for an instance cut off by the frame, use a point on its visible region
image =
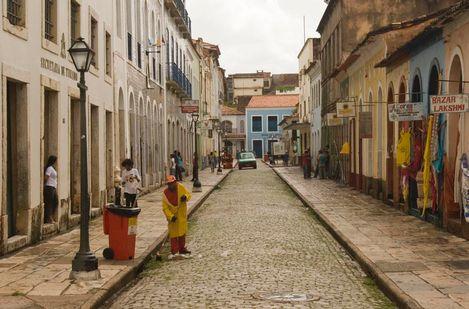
(179, 13)
(178, 82)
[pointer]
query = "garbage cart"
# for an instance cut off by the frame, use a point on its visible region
(121, 225)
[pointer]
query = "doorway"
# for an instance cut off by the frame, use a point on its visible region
(390, 152)
(75, 157)
(257, 147)
(109, 155)
(95, 198)
(51, 119)
(17, 157)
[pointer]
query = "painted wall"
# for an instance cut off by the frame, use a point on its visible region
(265, 135)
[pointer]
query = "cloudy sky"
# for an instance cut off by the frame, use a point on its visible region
(256, 34)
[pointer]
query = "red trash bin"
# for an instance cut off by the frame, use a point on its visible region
(121, 226)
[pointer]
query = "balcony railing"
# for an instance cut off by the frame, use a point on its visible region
(177, 78)
(180, 13)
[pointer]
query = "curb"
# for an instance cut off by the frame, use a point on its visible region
(130, 273)
(387, 286)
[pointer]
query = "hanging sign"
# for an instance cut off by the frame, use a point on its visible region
(333, 120)
(366, 125)
(190, 107)
(346, 109)
(450, 103)
(405, 112)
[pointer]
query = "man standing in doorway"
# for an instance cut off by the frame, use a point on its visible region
(175, 198)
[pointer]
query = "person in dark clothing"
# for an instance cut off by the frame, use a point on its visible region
(412, 171)
(307, 164)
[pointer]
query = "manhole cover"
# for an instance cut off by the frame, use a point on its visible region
(287, 297)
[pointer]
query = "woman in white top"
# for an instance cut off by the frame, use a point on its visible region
(51, 200)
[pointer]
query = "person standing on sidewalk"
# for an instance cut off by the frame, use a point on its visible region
(51, 200)
(306, 164)
(175, 198)
(130, 180)
(180, 166)
(172, 168)
(322, 164)
(212, 161)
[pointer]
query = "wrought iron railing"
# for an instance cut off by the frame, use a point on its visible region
(176, 75)
(183, 12)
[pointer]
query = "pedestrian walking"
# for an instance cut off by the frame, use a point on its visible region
(212, 160)
(328, 160)
(286, 158)
(172, 168)
(180, 166)
(306, 164)
(51, 200)
(130, 180)
(175, 198)
(322, 164)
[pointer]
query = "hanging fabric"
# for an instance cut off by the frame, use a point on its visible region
(403, 149)
(427, 165)
(465, 185)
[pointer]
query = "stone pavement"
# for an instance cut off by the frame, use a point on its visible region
(417, 264)
(254, 236)
(37, 276)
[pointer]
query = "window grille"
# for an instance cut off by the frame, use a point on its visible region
(14, 8)
(75, 21)
(48, 20)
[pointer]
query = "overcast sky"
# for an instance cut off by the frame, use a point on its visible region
(256, 34)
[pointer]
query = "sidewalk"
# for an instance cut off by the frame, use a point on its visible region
(37, 276)
(416, 264)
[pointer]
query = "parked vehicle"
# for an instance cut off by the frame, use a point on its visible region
(247, 159)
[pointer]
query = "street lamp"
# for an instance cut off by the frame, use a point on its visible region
(197, 186)
(219, 131)
(85, 263)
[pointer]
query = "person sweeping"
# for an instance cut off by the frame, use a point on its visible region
(175, 198)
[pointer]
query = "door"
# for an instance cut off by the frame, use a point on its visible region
(257, 148)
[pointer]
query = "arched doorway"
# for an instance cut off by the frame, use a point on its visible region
(122, 144)
(390, 152)
(132, 127)
(455, 86)
(417, 97)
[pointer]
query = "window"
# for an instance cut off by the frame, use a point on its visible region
(94, 41)
(74, 21)
(15, 12)
(257, 124)
(272, 123)
(108, 55)
(50, 20)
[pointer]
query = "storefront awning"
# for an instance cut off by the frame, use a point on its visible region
(297, 126)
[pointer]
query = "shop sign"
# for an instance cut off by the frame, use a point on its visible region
(366, 125)
(405, 112)
(279, 148)
(450, 103)
(333, 120)
(190, 107)
(346, 109)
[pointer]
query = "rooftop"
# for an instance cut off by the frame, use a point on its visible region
(229, 111)
(273, 101)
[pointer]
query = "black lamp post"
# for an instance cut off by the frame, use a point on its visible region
(219, 131)
(85, 263)
(197, 186)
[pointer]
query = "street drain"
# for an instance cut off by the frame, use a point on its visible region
(287, 297)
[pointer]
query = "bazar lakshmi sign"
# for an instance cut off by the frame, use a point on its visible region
(405, 112)
(190, 106)
(450, 103)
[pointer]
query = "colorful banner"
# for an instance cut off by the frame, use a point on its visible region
(405, 112)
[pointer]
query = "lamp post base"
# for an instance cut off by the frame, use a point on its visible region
(197, 186)
(85, 275)
(85, 267)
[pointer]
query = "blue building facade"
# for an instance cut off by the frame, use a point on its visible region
(263, 129)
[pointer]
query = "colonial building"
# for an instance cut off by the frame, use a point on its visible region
(145, 66)
(234, 126)
(263, 115)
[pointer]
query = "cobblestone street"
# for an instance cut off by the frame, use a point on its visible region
(254, 236)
